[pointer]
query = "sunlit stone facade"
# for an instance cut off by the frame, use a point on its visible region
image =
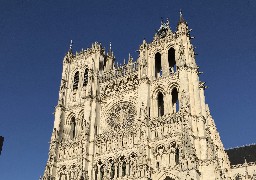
(142, 119)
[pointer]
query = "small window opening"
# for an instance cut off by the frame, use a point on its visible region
(124, 168)
(85, 77)
(96, 172)
(171, 60)
(177, 156)
(175, 100)
(160, 102)
(158, 66)
(101, 172)
(117, 172)
(112, 173)
(73, 128)
(157, 165)
(76, 81)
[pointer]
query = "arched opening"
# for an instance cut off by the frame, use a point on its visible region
(157, 165)
(85, 77)
(124, 168)
(73, 128)
(112, 172)
(117, 171)
(168, 178)
(101, 172)
(158, 66)
(175, 100)
(160, 104)
(76, 81)
(177, 154)
(96, 172)
(171, 60)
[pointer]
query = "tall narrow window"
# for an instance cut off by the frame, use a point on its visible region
(171, 60)
(101, 172)
(76, 81)
(85, 77)
(177, 154)
(124, 168)
(96, 172)
(112, 172)
(73, 128)
(175, 100)
(160, 103)
(158, 66)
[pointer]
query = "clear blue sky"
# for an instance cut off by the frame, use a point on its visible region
(35, 35)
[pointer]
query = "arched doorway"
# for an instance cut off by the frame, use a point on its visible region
(168, 178)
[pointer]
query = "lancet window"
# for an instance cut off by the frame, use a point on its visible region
(112, 172)
(76, 81)
(85, 77)
(158, 66)
(101, 172)
(171, 60)
(160, 104)
(73, 128)
(124, 168)
(177, 156)
(175, 100)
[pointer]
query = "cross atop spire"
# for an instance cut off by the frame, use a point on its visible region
(71, 45)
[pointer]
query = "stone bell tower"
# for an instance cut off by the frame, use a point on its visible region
(144, 119)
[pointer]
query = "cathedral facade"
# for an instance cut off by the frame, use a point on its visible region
(142, 119)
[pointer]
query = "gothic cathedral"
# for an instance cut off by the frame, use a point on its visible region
(143, 119)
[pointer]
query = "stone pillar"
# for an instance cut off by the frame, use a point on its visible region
(191, 93)
(202, 98)
(196, 96)
(115, 175)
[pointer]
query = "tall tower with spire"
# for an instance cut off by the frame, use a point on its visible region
(145, 119)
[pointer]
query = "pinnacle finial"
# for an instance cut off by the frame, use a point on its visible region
(71, 44)
(182, 20)
(110, 46)
(180, 13)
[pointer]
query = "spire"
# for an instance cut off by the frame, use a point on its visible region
(182, 20)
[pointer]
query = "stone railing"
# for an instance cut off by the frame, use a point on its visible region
(243, 165)
(117, 72)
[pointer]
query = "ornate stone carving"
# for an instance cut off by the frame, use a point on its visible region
(122, 115)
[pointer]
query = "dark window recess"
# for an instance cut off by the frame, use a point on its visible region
(76, 81)
(158, 66)
(85, 77)
(160, 102)
(171, 60)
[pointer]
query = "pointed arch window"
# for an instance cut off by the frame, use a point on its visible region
(177, 156)
(76, 81)
(112, 172)
(73, 128)
(96, 172)
(101, 172)
(124, 168)
(160, 104)
(171, 60)
(158, 66)
(85, 77)
(175, 100)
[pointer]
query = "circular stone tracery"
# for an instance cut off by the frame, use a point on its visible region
(121, 115)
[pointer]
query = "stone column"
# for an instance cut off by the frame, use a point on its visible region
(196, 93)
(202, 97)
